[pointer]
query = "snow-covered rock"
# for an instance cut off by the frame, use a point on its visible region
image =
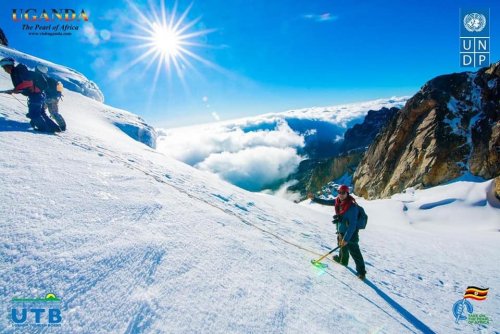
(70, 78)
(449, 128)
(129, 123)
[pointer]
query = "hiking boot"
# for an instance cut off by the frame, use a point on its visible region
(362, 276)
(336, 258)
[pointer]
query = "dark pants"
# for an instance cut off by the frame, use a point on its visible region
(36, 113)
(352, 248)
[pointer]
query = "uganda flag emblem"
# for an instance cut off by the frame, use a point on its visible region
(475, 293)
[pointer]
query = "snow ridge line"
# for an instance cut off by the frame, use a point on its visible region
(160, 179)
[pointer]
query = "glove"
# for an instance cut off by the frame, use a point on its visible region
(336, 219)
(340, 240)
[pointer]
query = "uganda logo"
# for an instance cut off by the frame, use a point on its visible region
(36, 311)
(464, 306)
(459, 307)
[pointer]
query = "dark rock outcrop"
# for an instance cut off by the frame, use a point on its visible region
(362, 135)
(314, 174)
(451, 126)
(3, 39)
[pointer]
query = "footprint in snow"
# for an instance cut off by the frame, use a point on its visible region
(241, 207)
(222, 198)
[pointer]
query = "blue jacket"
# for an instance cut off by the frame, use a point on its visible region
(349, 221)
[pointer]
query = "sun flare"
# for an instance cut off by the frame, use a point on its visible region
(166, 41)
(166, 38)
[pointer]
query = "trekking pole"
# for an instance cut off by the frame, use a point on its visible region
(314, 262)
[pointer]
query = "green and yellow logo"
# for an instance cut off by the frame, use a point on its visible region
(50, 297)
(36, 311)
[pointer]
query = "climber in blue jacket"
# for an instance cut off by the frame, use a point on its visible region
(346, 220)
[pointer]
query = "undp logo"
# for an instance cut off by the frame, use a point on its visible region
(474, 22)
(475, 38)
(40, 312)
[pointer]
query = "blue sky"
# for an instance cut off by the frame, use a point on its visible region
(266, 56)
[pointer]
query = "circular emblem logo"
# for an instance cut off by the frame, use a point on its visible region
(459, 307)
(474, 22)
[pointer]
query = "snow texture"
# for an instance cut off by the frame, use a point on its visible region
(134, 241)
(70, 78)
(129, 123)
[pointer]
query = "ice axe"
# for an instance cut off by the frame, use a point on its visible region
(317, 263)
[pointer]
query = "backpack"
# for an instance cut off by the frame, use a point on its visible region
(19, 74)
(51, 90)
(362, 218)
(39, 80)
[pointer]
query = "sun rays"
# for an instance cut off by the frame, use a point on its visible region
(166, 39)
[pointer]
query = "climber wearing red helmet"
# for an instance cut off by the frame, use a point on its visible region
(346, 220)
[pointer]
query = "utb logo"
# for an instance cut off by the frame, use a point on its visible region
(37, 309)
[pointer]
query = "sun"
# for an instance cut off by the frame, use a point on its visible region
(166, 38)
(166, 41)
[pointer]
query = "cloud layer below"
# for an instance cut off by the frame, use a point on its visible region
(261, 152)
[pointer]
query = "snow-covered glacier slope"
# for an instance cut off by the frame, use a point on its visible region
(70, 78)
(129, 123)
(133, 241)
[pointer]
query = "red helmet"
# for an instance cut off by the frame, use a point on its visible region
(343, 188)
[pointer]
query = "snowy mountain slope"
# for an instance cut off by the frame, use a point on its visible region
(70, 78)
(129, 123)
(136, 242)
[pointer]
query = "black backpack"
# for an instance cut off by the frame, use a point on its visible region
(362, 218)
(19, 74)
(39, 80)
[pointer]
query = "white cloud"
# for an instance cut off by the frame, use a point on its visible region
(253, 168)
(256, 153)
(252, 160)
(284, 193)
(325, 17)
(194, 144)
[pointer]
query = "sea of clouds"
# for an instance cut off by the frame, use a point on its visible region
(260, 152)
